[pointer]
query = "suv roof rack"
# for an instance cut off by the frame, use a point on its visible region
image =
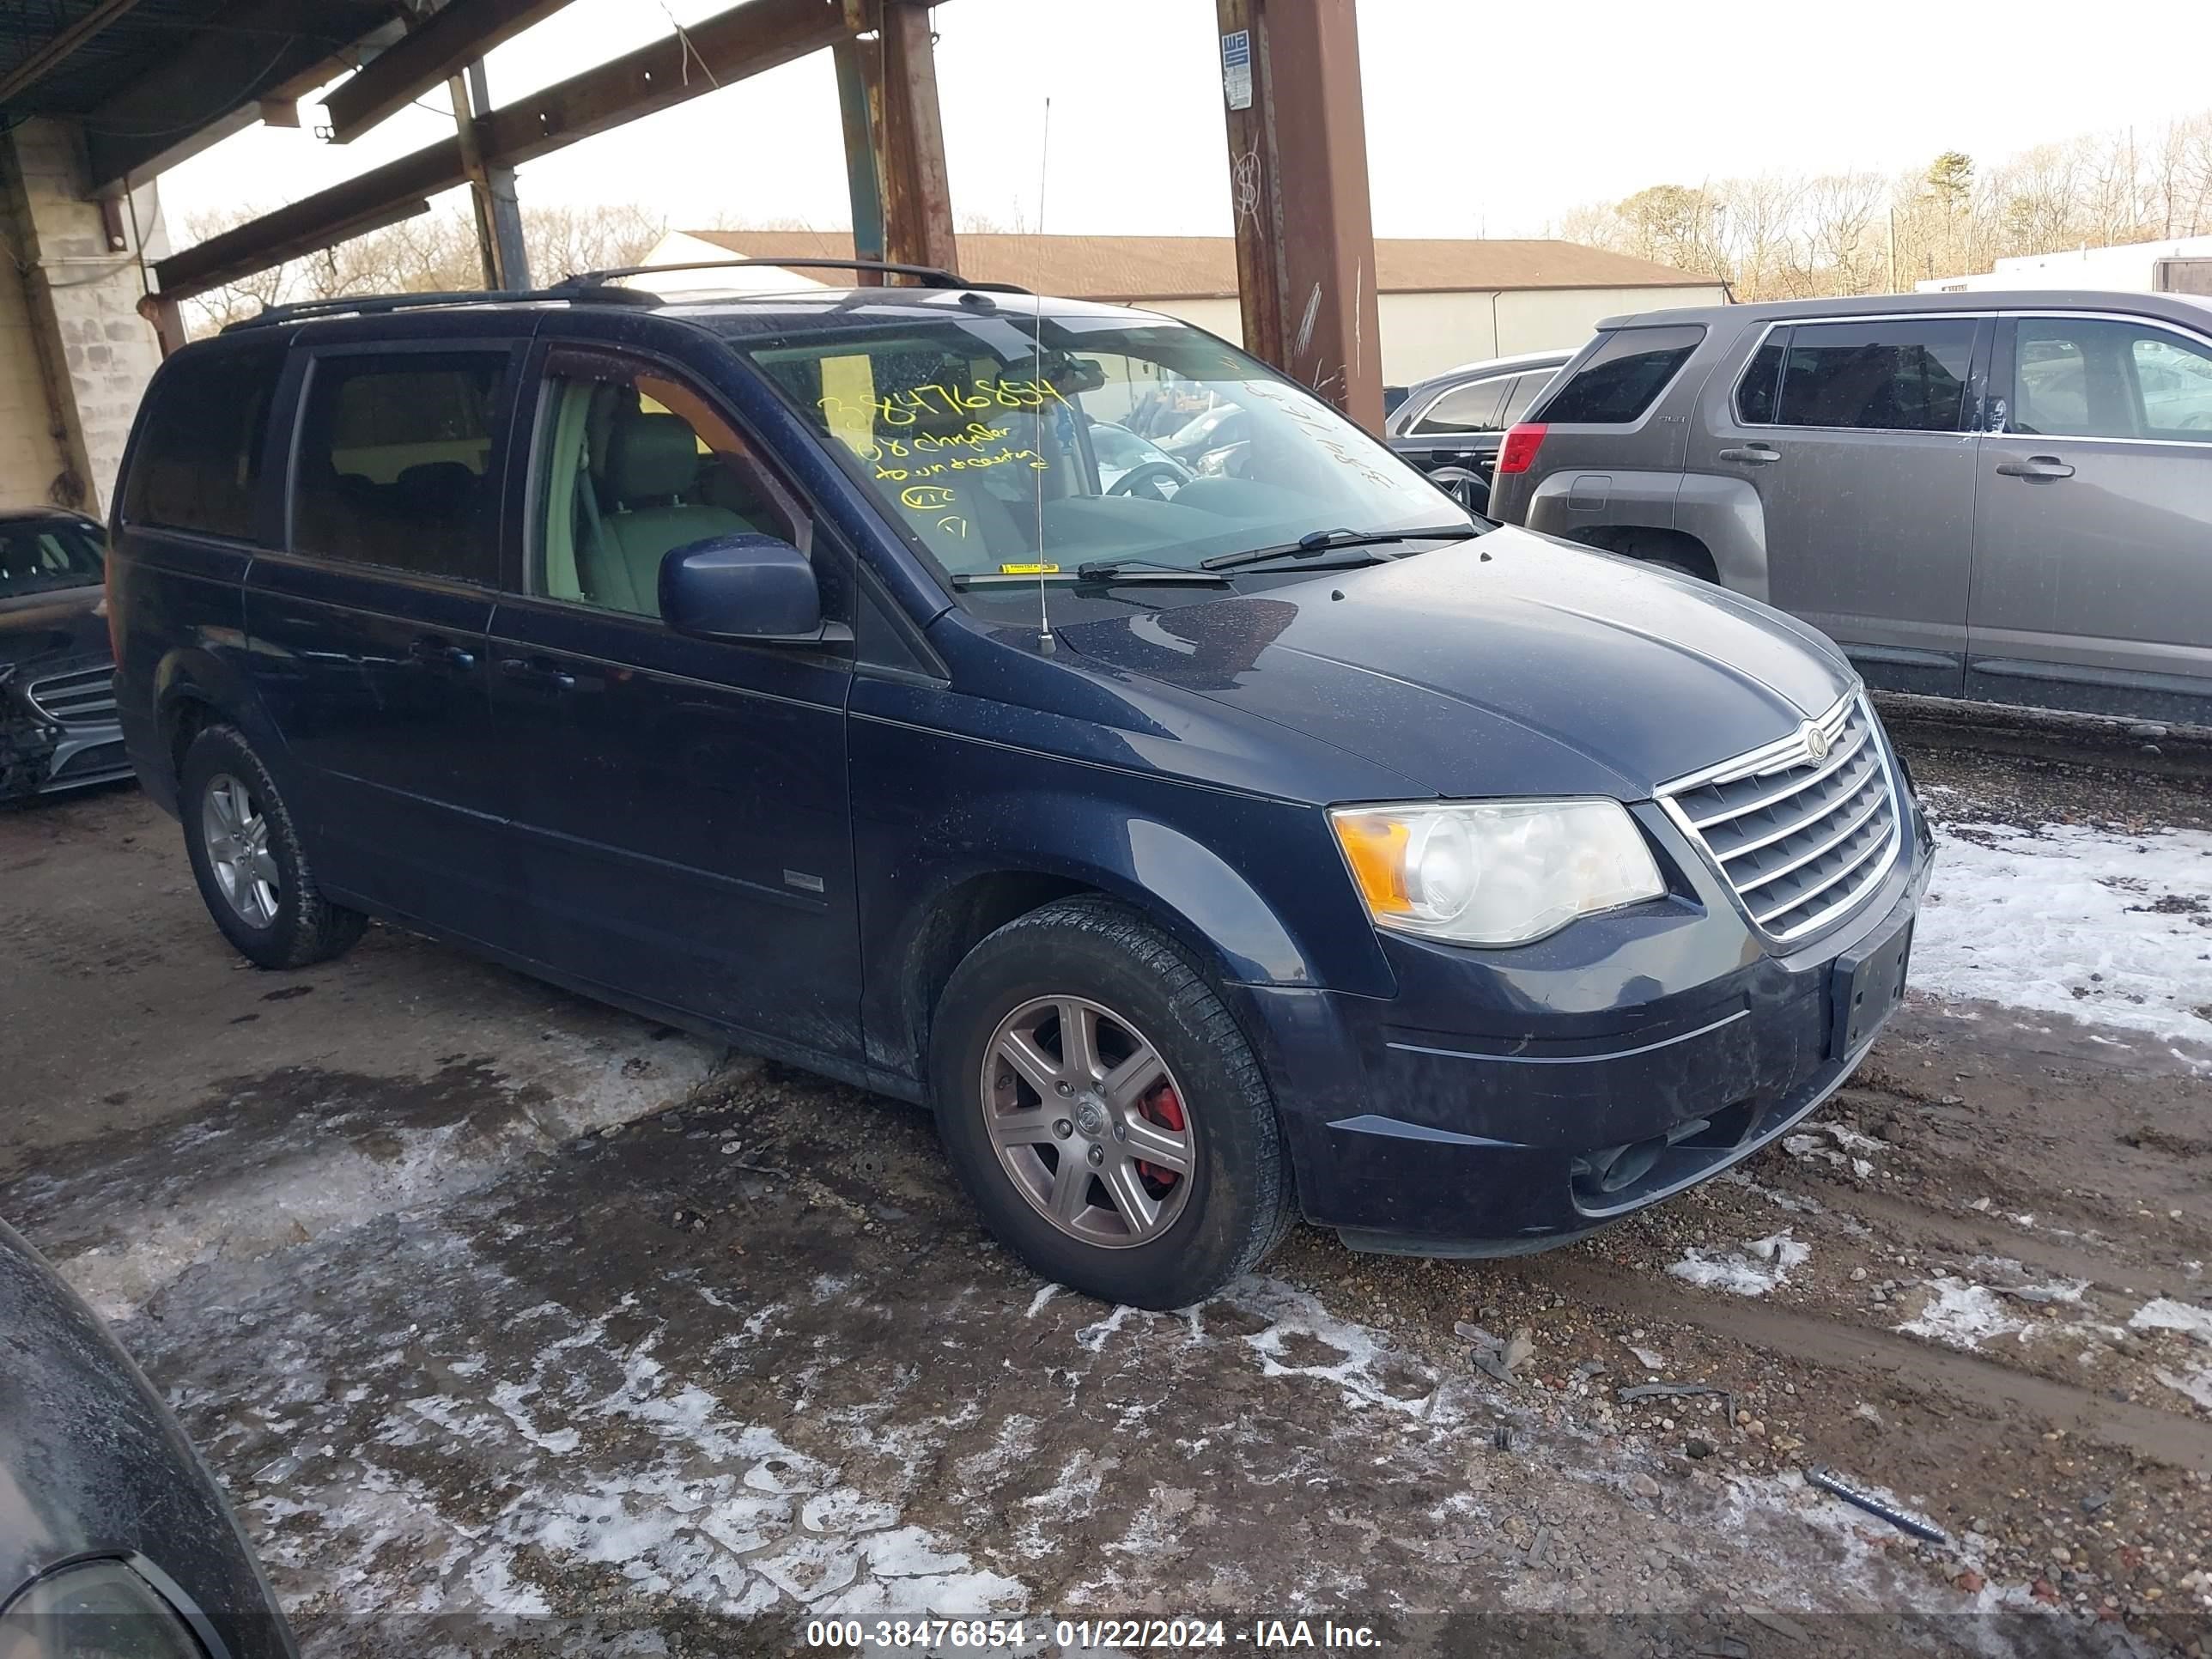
(926, 275)
(588, 287)
(369, 305)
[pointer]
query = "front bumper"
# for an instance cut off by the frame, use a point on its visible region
(59, 730)
(1504, 1103)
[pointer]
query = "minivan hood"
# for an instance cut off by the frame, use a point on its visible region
(1509, 664)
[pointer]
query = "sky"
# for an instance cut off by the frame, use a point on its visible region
(1484, 117)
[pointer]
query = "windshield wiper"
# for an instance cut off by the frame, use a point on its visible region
(1328, 541)
(1098, 570)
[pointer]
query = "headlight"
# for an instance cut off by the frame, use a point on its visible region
(1494, 873)
(98, 1610)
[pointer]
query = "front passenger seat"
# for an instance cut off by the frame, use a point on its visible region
(652, 460)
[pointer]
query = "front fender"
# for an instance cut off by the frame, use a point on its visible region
(953, 836)
(1725, 514)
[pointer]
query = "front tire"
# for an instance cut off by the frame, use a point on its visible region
(1103, 1110)
(246, 856)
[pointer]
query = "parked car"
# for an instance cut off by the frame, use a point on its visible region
(58, 728)
(1451, 424)
(779, 668)
(115, 1542)
(2002, 496)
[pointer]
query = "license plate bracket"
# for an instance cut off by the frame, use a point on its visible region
(1867, 984)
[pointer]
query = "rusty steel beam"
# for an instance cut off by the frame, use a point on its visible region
(916, 189)
(1305, 235)
(441, 46)
(745, 41)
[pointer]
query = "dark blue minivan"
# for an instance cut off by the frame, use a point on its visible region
(1206, 851)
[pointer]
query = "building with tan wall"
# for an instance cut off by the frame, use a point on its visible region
(1441, 303)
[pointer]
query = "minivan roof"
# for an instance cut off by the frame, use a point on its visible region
(2176, 308)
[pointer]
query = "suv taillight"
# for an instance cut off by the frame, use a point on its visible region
(1518, 452)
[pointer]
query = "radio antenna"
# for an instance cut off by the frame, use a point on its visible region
(1045, 644)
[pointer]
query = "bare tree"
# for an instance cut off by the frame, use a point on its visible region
(1838, 233)
(432, 252)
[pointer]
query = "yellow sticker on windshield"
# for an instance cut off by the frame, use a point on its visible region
(1029, 570)
(848, 386)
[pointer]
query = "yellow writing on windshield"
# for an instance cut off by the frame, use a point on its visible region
(841, 404)
(1005, 455)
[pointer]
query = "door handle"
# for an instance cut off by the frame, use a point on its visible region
(440, 654)
(537, 673)
(2036, 467)
(1756, 455)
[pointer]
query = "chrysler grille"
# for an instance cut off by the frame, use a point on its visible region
(1803, 829)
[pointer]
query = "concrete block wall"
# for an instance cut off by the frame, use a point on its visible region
(84, 349)
(31, 457)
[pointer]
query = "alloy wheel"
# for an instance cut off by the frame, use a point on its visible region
(235, 832)
(1088, 1121)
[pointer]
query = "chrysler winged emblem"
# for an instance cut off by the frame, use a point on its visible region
(1816, 743)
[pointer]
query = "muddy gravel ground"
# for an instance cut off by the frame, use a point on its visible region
(518, 1328)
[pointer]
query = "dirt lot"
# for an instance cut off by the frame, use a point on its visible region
(516, 1326)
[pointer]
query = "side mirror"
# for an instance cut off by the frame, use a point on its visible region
(741, 587)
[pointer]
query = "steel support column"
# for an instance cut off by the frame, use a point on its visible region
(506, 261)
(857, 100)
(910, 131)
(1305, 236)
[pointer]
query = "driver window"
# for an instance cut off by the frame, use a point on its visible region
(632, 464)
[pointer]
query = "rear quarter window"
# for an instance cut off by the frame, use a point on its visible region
(1890, 375)
(1620, 380)
(196, 465)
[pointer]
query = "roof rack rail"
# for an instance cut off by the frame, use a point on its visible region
(586, 288)
(371, 305)
(927, 275)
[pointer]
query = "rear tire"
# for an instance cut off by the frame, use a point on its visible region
(1046, 1134)
(246, 855)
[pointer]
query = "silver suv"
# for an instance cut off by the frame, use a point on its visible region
(2003, 497)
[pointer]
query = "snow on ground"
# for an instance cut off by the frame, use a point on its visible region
(1754, 1270)
(2165, 1314)
(1963, 1315)
(2068, 919)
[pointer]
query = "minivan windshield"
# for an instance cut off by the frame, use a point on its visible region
(39, 555)
(1002, 442)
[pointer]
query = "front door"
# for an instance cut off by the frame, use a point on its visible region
(685, 813)
(1856, 437)
(2093, 525)
(367, 633)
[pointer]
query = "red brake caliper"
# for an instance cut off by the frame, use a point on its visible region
(1162, 1107)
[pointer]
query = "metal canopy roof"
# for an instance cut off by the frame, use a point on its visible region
(154, 79)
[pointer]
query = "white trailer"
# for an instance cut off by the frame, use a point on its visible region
(2181, 265)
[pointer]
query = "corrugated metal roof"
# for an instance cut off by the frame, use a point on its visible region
(1129, 268)
(151, 31)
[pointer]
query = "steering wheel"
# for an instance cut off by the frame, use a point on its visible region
(2197, 420)
(1146, 479)
(1469, 489)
